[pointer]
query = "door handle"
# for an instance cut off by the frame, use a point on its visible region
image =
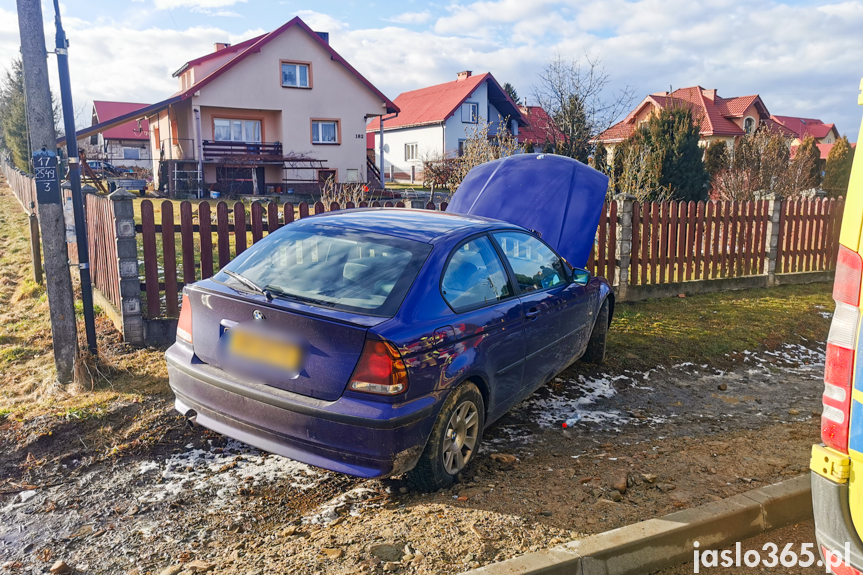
(532, 313)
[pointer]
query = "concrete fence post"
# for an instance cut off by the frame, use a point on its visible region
(127, 267)
(624, 242)
(774, 207)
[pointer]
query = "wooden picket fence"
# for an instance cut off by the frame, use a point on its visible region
(209, 237)
(685, 241)
(671, 241)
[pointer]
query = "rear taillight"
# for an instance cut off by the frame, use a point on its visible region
(839, 365)
(380, 370)
(184, 326)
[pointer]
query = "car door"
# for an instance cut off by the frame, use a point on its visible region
(488, 326)
(549, 299)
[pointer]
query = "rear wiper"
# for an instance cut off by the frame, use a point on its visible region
(283, 294)
(250, 284)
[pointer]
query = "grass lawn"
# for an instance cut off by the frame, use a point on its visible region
(707, 328)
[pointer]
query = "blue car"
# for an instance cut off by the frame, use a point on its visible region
(375, 342)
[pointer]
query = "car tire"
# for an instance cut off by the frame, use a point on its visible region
(433, 471)
(595, 352)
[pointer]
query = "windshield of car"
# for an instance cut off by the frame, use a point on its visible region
(331, 267)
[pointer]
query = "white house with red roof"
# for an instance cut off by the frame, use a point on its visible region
(126, 145)
(278, 113)
(720, 118)
(434, 122)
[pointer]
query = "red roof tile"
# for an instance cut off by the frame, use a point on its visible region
(713, 112)
(430, 105)
(540, 128)
(105, 111)
(435, 104)
(803, 127)
(235, 48)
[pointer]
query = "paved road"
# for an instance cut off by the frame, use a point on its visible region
(795, 534)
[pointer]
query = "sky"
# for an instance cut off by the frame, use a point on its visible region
(803, 58)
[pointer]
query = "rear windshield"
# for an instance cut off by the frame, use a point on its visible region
(329, 266)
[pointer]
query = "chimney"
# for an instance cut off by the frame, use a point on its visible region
(709, 94)
(221, 46)
(463, 75)
(325, 36)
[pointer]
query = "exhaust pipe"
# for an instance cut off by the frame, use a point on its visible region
(191, 416)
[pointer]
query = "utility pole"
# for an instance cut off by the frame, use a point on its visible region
(75, 180)
(43, 142)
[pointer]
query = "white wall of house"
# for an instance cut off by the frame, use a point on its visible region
(429, 143)
(335, 93)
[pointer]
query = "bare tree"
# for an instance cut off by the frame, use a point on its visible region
(574, 95)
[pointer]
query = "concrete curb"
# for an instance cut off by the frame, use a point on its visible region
(665, 542)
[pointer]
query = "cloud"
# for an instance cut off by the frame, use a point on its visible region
(802, 59)
(171, 4)
(411, 18)
(220, 13)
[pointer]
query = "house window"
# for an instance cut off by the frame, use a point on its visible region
(411, 151)
(131, 153)
(748, 125)
(469, 112)
(225, 130)
(295, 75)
(324, 175)
(326, 132)
(461, 144)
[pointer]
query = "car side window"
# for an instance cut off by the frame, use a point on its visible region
(536, 267)
(475, 276)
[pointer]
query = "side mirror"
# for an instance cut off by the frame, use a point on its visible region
(580, 276)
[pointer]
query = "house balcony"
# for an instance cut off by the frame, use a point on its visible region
(243, 152)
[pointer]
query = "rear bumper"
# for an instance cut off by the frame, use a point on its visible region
(352, 436)
(833, 526)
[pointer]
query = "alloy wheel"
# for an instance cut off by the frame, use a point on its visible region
(460, 437)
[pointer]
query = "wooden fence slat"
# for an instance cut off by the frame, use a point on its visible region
(699, 239)
(762, 240)
(611, 261)
(430, 206)
(388, 204)
(837, 223)
(187, 242)
(169, 259)
(257, 221)
(690, 240)
(636, 243)
(716, 233)
(674, 208)
(319, 208)
(364, 204)
(665, 230)
(240, 227)
(304, 210)
(288, 210)
(723, 244)
(654, 239)
(793, 235)
(785, 235)
(334, 207)
(443, 206)
(645, 240)
(828, 233)
(601, 248)
(222, 237)
(349, 206)
(741, 237)
(748, 219)
(204, 223)
(272, 217)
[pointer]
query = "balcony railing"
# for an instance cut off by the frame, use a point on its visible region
(218, 150)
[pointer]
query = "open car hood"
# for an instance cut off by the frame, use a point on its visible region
(558, 197)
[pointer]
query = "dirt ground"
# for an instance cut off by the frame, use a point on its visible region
(182, 495)
(106, 477)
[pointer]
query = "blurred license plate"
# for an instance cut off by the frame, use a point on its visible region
(254, 347)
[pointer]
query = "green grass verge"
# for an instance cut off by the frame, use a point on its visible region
(710, 328)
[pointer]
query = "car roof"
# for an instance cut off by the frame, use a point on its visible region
(418, 225)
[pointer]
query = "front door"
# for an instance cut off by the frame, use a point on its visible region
(543, 285)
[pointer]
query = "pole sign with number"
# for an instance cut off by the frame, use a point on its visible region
(47, 182)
